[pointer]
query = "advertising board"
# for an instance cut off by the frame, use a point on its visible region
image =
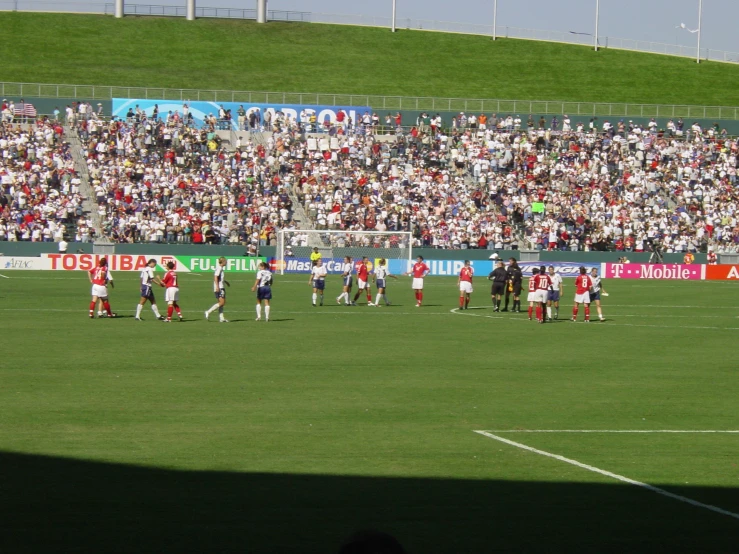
(670, 272)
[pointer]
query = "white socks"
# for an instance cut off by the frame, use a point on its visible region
(377, 299)
(315, 297)
(266, 312)
(259, 311)
(549, 312)
(155, 310)
(213, 308)
(138, 311)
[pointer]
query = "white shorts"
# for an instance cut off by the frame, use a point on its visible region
(465, 286)
(101, 291)
(417, 283)
(172, 294)
(582, 298)
(532, 297)
(543, 295)
(361, 285)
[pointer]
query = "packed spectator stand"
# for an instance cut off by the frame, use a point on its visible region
(484, 182)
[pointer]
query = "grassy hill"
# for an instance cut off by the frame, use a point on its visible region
(304, 57)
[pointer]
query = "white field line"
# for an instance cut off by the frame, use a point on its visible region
(317, 311)
(688, 431)
(4, 276)
(596, 323)
(612, 475)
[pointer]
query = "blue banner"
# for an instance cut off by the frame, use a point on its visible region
(200, 110)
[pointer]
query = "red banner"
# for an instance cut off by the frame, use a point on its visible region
(722, 273)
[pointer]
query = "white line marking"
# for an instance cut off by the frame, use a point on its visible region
(611, 431)
(612, 475)
(4, 276)
(596, 323)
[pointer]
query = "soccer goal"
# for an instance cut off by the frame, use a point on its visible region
(297, 244)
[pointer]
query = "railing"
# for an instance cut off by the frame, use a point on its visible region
(378, 103)
(221, 13)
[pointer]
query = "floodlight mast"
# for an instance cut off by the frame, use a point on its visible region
(392, 29)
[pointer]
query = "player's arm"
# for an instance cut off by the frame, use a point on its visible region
(256, 282)
(602, 288)
(109, 279)
(310, 278)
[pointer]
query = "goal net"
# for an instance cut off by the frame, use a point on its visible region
(294, 247)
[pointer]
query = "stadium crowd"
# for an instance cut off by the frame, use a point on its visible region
(41, 199)
(486, 182)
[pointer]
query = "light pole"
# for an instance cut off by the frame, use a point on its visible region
(393, 24)
(700, 22)
(495, 19)
(597, 14)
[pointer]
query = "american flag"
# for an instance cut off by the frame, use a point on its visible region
(24, 110)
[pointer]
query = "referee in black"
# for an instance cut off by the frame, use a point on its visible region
(514, 281)
(499, 277)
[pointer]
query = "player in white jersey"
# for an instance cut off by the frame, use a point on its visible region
(346, 276)
(555, 292)
(596, 290)
(148, 277)
(381, 275)
(219, 289)
(263, 286)
(318, 280)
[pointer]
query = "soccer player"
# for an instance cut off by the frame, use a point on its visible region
(346, 275)
(533, 294)
(499, 276)
(465, 285)
(583, 284)
(419, 271)
(318, 280)
(147, 278)
(543, 284)
(263, 286)
(363, 284)
(554, 293)
(100, 278)
(513, 286)
(172, 293)
(595, 291)
(380, 277)
(219, 289)
(315, 255)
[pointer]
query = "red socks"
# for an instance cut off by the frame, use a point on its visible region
(369, 297)
(538, 313)
(106, 305)
(461, 301)
(170, 309)
(531, 311)
(92, 309)
(587, 312)
(574, 312)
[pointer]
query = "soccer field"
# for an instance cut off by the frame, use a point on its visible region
(287, 436)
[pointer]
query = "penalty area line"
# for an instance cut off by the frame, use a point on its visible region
(616, 476)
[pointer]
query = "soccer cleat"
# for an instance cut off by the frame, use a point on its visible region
(167, 321)
(258, 319)
(223, 321)
(207, 318)
(113, 314)
(92, 316)
(573, 320)
(504, 310)
(138, 319)
(587, 321)
(602, 318)
(161, 318)
(370, 304)
(266, 320)
(338, 301)
(388, 304)
(180, 318)
(418, 305)
(314, 304)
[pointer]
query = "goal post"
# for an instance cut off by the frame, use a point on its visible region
(298, 244)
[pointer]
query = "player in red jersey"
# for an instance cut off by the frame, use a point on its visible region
(100, 278)
(363, 284)
(543, 284)
(419, 271)
(583, 284)
(533, 294)
(465, 285)
(172, 294)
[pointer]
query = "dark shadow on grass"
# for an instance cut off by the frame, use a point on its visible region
(52, 504)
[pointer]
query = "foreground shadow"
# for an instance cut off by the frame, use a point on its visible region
(63, 505)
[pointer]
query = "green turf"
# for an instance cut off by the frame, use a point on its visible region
(303, 57)
(127, 436)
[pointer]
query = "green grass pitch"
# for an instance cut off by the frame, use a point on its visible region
(287, 436)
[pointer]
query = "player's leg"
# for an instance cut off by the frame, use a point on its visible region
(259, 309)
(170, 310)
(575, 308)
(139, 307)
(93, 303)
(587, 312)
(221, 307)
(600, 311)
(315, 296)
(556, 309)
(468, 296)
(507, 299)
(106, 307)
(380, 294)
(549, 309)
(369, 295)
(266, 309)
(461, 299)
(214, 307)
